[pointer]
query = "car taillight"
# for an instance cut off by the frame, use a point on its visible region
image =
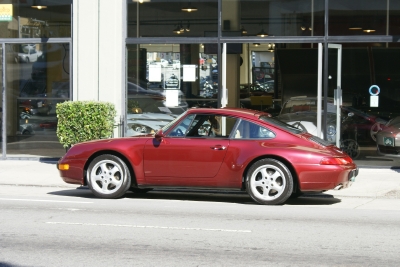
(336, 161)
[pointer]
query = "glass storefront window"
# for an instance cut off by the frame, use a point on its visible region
(273, 18)
(165, 80)
(47, 19)
(37, 78)
(172, 18)
(265, 77)
(359, 17)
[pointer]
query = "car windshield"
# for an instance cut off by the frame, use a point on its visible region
(167, 126)
(305, 105)
(281, 125)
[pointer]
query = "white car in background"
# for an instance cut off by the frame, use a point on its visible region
(28, 53)
(163, 62)
(147, 123)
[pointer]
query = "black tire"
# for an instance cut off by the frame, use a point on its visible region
(108, 177)
(140, 190)
(296, 194)
(351, 147)
(269, 182)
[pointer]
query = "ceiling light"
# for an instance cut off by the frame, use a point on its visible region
(189, 8)
(368, 30)
(243, 30)
(256, 44)
(177, 30)
(355, 27)
(271, 47)
(188, 27)
(37, 5)
(262, 33)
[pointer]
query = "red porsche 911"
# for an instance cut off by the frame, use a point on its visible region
(225, 148)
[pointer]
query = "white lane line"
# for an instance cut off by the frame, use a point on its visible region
(42, 200)
(152, 227)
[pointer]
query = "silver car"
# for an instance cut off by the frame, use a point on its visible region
(388, 139)
(301, 112)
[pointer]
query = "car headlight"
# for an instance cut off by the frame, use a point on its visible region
(331, 130)
(141, 128)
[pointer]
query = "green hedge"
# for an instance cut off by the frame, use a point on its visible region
(80, 121)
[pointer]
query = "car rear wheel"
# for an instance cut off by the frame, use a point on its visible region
(269, 182)
(108, 177)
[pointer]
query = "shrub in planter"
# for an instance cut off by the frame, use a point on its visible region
(80, 121)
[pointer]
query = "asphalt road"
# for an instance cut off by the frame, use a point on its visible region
(50, 226)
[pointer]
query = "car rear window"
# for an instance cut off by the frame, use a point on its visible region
(282, 125)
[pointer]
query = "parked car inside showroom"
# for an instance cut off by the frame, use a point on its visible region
(249, 151)
(33, 97)
(388, 138)
(302, 112)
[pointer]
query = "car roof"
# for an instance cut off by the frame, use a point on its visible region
(238, 112)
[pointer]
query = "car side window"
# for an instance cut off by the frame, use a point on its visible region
(249, 130)
(211, 126)
(182, 128)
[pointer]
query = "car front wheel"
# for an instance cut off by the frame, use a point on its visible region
(269, 182)
(108, 177)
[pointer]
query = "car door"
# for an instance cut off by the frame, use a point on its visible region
(187, 151)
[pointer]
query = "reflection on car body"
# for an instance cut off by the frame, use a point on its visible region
(251, 151)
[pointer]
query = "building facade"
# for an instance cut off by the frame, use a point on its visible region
(156, 58)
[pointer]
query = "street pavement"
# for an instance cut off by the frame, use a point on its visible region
(370, 182)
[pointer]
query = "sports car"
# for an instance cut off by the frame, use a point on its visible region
(226, 148)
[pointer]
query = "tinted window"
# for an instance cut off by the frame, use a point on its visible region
(282, 125)
(249, 130)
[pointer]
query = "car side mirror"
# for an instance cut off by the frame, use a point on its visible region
(159, 135)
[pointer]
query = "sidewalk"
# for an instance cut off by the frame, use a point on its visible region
(370, 182)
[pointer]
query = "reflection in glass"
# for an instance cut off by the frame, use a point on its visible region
(37, 79)
(28, 22)
(172, 18)
(359, 17)
(164, 81)
(273, 18)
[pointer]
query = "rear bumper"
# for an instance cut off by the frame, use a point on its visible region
(335, 177)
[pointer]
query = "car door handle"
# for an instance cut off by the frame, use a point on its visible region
(218, 147)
